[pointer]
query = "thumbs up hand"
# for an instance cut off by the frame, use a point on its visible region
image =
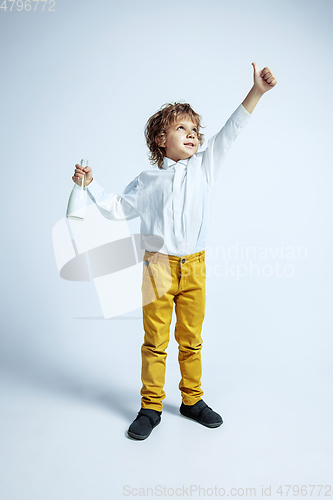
(263, 80)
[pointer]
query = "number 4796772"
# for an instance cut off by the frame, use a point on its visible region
(27, 5)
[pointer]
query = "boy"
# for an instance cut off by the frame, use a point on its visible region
(172, 202)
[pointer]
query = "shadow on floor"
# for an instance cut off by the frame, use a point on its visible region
(61, 382)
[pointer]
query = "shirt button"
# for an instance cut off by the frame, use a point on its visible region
(183, 261)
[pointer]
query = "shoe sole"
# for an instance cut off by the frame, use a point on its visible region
(138, 436)
(211, 426)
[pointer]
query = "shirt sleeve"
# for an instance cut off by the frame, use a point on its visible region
(219, 145)
(114, 206)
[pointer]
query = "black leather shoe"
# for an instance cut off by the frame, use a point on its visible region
(144, 423)
(202, 413)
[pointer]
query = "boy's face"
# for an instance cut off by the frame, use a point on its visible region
(181, 141)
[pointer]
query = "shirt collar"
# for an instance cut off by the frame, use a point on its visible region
(167, 162)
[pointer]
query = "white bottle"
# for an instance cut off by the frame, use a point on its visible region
(77, 202)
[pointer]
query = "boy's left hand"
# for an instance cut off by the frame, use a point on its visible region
(263, 80)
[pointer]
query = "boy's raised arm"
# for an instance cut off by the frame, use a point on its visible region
(219, 145)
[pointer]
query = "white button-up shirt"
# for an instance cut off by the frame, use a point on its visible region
(173, 202)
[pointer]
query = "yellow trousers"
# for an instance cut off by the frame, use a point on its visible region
(166, 280)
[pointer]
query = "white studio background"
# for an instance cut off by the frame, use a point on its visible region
(81, 82)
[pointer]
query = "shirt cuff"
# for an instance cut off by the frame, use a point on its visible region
(95, 189)
(243, 112)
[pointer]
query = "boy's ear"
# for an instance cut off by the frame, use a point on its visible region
(159, 141)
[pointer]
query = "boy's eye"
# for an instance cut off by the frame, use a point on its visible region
(181, 126)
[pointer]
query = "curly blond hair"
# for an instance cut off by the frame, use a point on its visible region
(158, 124)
